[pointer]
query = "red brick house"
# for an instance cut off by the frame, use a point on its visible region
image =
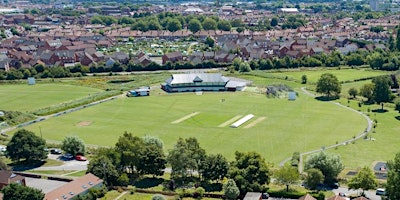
(172, 57)
(7, 177)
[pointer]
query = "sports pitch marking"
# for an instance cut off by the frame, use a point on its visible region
(258, 120)
(230, 121)
(184, 118)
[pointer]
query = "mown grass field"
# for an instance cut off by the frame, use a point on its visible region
(24, 97)
(342, 75)
(301, 125)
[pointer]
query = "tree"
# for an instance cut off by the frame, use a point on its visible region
(16, 191)
(382, 91)
(187, 155)
(153, 140)
(353, 92)
(397, 104)
(329, 165)
(313, 178)
(224, 25)
(329, 84)
(210, 42)
(214, 167)
(152, 160)
(250, 172)
(287, 175)
(209, 24)
(304, 79)
(244, 67)
(194, 25)
(130, 148)
(365, 180)
(102, 167)
(274, 21)
(393, 178)
(174, 25)
(367, 91)
(26, 145)
(73, 145)
(231, 191)
(394, 82)
(154, 25)
(398, 39)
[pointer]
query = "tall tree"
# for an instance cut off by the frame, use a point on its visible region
(209, 24)
(313, 178)
(214, 167)
(130, 148)
(287, 175)
(397, 104)
(174, 25)
(329, 84)
(365, 180)
(153, 140)
(224, 25)
(367, 91)
(73, 145)
(26, 145)
(393, 180)
(194, 25)
(102, 167)
(250, 172)
(231, 191)
(330, 165)
(210, 42)
(16, 191)
(186, 156)
(398, 39)
(382, 91)
(152, 160)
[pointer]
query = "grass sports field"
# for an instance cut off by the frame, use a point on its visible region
(23, 97)
(279, 127)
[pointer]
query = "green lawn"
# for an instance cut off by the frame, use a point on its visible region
(383, 148)
(23, 97)
(301, 125)
(314, 75)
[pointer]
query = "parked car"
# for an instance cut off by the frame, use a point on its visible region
(380, 191)
(55, 151)
(80, 158)
(68, 156)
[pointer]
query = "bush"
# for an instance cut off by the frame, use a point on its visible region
(158, 197)
(199, 192)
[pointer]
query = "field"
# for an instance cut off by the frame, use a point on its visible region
(282, 126)
(301, 125)
(16, 96)
(314, 74)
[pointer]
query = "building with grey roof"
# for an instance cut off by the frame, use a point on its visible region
(201, 82)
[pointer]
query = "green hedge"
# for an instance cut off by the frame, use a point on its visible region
(294, 194)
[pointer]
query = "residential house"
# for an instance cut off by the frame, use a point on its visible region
(121, 57)
(7, 177)
(75, 188)
(307, 197)
(172, 57)
(336, 197)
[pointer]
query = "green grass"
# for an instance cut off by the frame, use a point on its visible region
(17, 96)
(301, 125)
(383, 148)
(314, 74)
(50, 172)
(111, 195)
(52, 162)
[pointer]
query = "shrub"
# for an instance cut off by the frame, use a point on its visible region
(158, 197)
(199, 192)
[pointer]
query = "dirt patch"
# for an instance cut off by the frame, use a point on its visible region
(84, 123)
(260, 119)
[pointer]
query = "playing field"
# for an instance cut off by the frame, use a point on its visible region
(314, 75)
(279, 127)
(23, 97)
